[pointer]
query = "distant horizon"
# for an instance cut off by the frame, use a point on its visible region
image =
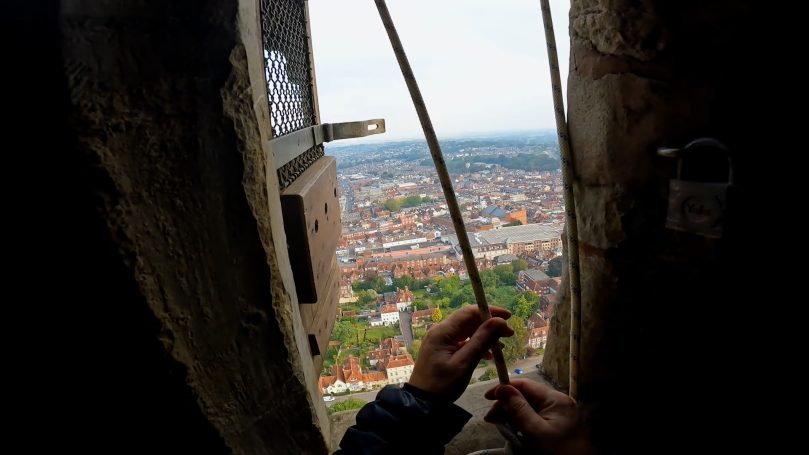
(380, 138)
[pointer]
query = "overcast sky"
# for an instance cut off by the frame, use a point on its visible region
(481, 64)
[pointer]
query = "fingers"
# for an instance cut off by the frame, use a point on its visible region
(481, 341)
(536, 393)
(513, 408)
(464, 322)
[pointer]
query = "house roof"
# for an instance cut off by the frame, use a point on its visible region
(506, 258)
(493, 210)
(521, 234)
(535, 275)
(389, 309)
(351, 370)
(537, 320)
(326, 381)
(391, 344)
(404, 295)
(374, 376)
(398, 361)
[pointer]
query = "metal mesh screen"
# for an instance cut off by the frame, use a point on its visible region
(286, 58)
(289, 77)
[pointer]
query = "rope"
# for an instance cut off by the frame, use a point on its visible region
(446, 182)
(568, 177)
(513, 444)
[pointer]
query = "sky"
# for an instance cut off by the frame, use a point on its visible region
(481, 64)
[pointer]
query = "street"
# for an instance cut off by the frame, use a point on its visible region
(528, 365)
(406, 328)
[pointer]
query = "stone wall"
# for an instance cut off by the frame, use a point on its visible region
(168, 108)
(646, 74)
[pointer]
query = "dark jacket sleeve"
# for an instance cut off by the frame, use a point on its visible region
(403, 420)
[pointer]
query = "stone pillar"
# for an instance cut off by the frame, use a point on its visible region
(646, 74)
(168, 107)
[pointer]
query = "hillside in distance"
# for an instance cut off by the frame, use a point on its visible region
(530, 151)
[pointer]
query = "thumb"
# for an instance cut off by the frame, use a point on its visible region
(519, 411)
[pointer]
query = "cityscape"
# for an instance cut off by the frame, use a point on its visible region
(400, 265)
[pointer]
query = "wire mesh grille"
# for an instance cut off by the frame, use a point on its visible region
(289, 78)
(287, 70)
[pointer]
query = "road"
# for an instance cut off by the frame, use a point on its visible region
(349, 194)
(528, 365)
(406, 327)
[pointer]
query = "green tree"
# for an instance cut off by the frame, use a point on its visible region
(342, 356)
(489, 279)
(504, 296)
(404, 281)
(393, 205)
(515, 344)
(329, 359)
(376, 283)
(490, 373)
(367, 297)
(522, 308)
(343, 331)
(387, 175)
(466, 295)
(519, 265)
(505, 275)
(555, 267)
(415, 348)
(448, 287)
(411, 201)
(437, 316)
(424, 282)
(351, 403)
(419, 304)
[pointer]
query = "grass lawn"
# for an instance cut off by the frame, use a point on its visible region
(377, 333)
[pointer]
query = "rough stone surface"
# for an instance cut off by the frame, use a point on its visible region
(644, 75)
(161, 99)
(619, 27)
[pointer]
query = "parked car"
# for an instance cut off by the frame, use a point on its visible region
(328, 398)
(518, 371)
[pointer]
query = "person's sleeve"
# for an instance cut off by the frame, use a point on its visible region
(403, 420)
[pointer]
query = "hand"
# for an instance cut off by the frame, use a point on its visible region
(548, 420)
(447, 359)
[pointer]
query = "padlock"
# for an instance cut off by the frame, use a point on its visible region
(698, 207)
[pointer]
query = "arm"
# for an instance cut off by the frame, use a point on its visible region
(403, 420)
(420, 418)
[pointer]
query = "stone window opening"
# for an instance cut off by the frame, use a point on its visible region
(166, 114)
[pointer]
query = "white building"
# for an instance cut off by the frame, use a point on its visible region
(337, 386)
(390, 314)
(398, 368)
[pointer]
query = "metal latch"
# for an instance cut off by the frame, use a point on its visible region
(285, 148)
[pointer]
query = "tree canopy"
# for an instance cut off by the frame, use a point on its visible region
(515, 345)
(555, 267)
